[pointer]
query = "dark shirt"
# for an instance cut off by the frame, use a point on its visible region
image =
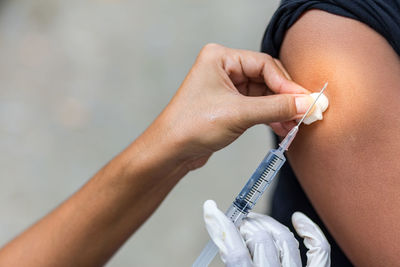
(381, 15)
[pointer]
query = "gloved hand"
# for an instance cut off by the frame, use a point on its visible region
(261, 241)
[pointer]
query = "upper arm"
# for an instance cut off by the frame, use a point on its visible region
(347, 164)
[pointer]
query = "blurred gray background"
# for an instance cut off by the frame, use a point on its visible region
(81, 79)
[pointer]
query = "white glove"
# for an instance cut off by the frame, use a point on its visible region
(264, 242)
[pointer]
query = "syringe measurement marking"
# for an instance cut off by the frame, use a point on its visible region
(251, 196)
(261, 179)
(236, 211)
(252, 192)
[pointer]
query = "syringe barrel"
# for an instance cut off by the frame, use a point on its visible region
(235, 214)
(260, 180)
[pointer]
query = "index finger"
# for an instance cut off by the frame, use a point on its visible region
(285, 241)
(245, 66)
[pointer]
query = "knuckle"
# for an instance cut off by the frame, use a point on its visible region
(212, 46)
(324, 246)
(268, 57)
(268, 62)
(288, 238)
(210, 50)
(287, 106)
(239, 115)
(278, 81)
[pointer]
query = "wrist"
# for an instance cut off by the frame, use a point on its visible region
(169, 143)
(157, 153)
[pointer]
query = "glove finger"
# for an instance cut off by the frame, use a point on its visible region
(226, 237)
(260, 243)
(319, 250)
(286, 245)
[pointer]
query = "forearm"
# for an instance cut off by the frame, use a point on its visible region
(92, 224)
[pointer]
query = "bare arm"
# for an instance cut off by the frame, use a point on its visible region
(348, 163)
(224, 94)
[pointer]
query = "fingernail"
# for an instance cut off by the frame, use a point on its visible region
(303, 103)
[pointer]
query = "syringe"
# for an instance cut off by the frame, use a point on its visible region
(255, 187)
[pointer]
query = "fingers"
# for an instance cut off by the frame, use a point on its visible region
(282, 128)
(273, 108)
(280, 65)
(318, 247)
(263, 250)
(253, 89)
(260, 243)
(278, 128)
(244, 66)
(226, 237)
(285, 243)
(257, 75)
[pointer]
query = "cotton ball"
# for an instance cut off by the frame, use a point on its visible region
(320, 107)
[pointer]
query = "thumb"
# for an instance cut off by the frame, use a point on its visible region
(226, 237)
(274, 108)
(319, 250)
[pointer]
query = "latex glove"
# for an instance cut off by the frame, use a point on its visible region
(263, 241)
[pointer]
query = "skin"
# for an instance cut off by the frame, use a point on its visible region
(347, 164)
(225, 92)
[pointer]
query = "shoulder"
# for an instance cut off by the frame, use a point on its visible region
(343, 163)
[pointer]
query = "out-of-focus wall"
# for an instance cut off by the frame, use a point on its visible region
(80, 79)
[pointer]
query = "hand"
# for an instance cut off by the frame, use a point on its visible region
(263, 241)
(226, 92)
